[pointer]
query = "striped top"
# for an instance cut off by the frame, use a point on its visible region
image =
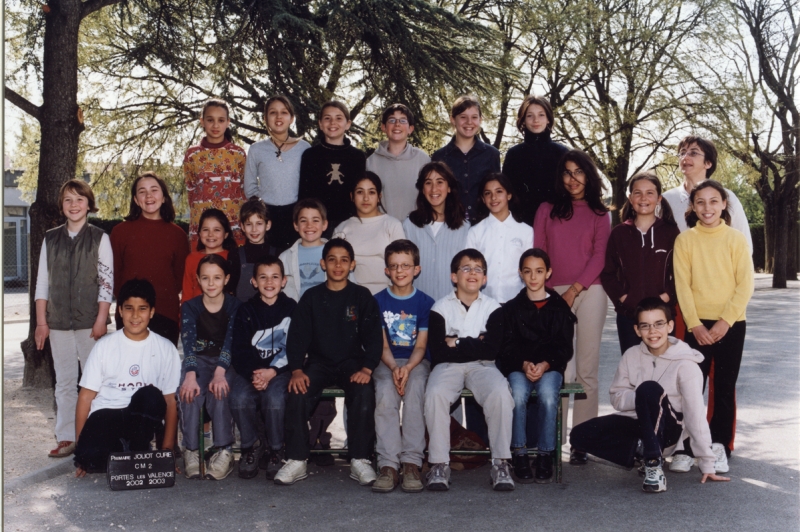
(435, 254)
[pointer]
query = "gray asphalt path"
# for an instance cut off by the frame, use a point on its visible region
(762, 495)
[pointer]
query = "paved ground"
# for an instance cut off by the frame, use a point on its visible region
(763, 493)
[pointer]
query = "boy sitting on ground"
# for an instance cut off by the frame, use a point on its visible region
(262, 372)
(128, 386)
(403, 373)
(338, 325)
(464, 337)
(658, 391)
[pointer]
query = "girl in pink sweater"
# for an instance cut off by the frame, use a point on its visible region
(574, 231)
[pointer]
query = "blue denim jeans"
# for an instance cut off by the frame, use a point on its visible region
(546, 406)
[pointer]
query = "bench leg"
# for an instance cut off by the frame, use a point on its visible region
(559, 442)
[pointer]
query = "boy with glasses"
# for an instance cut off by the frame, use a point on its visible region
(403, 373)
(464, 337)
(658, 392)
(697, 160)
(398, 162)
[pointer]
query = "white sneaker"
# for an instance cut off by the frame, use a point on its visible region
(654, 479)
(361, 470)
(191, 464)
(220, 464)
(291, 472)
(721, 463)
(681, 463)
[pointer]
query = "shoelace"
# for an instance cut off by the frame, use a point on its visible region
(651, 474)
(502, 471)
(436, 472)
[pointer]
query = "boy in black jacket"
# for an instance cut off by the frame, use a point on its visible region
(537, 344)
(262, 371)
(338, 325)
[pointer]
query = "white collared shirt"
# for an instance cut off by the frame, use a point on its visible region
(502, 243)
(678, 200)
(461, 322)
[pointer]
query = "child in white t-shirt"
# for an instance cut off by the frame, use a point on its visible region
(128, 386)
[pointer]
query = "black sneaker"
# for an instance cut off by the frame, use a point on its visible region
(577, 457)
(522, 468)
(544, 468)
(274, 464)
(248, 461)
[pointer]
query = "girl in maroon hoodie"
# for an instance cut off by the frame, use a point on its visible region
(639, 255)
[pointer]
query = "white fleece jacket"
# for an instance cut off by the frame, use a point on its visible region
(677, 371)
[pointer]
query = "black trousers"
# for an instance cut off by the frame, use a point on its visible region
(615, 437)
(359, 399)
(726, 357)
(282, 234)
(111, 430)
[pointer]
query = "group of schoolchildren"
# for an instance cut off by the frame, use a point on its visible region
(493, 281)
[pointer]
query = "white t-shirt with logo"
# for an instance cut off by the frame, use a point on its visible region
(118, 366)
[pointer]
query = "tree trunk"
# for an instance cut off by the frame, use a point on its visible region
(781, 242)
(58, 156)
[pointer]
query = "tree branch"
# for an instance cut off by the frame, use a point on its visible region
(90, 6)
(23, 103)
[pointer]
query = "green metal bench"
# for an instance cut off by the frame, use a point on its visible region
(567, 390)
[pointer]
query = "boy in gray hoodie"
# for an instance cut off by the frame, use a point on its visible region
(658, 392)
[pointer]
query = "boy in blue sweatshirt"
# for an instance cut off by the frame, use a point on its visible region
(262, 371)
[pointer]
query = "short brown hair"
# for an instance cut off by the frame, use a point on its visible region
(471, 254)
(279, 98)
(542, 102)
(401, 246)
(464, 102)
(254, 205)
(706, 146)
(309, 203)
(336, 104)
(395, 107)
(79, 187)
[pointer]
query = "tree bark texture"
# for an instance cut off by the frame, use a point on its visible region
(58, 157)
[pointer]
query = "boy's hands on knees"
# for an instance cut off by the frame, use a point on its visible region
(400, 378)
(714, 477)
(219, 384)
(361, 376)
(450, 341)
(719, 330)
(189, 389)
(41, 334)
(702, 335)
(534, 372)
(299, 382)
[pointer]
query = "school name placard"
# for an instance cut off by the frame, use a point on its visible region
(141, 470)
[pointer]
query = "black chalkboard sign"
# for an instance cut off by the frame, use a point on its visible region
(141, 470)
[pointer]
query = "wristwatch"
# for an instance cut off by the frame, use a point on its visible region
(457, 341)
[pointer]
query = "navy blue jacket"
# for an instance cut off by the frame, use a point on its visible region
(469, 168)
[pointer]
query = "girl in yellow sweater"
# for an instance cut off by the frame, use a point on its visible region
(714, 282)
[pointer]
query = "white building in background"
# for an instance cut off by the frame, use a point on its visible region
(16, 229)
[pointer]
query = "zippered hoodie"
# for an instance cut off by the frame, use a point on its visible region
(678, 372)
(639, 264)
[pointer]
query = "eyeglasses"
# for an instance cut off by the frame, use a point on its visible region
(393, 121)
(659, 326)
(690, 153)
(577, 175)
(401, 267)
(467, 270)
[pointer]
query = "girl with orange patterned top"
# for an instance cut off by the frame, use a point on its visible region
(214, 171)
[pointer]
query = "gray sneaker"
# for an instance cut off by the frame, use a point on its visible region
(439, 477)
(501, 475)
(248, 461)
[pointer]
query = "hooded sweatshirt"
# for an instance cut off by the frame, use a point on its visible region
(259, 335)
(398, 175)
(678, 372)
(639, 264)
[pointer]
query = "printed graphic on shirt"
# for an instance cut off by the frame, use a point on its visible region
(311, 274)
(272, 343)
(335, 174)
(401, 328)
(351, 314)
(517, 242)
